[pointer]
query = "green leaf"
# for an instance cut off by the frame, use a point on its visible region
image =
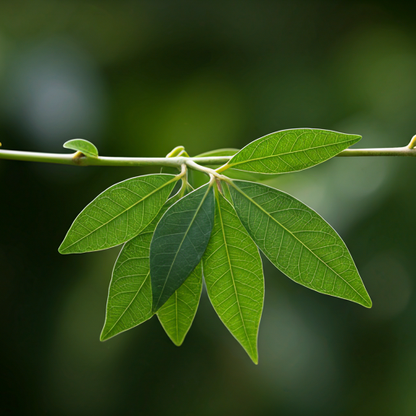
(290, 150)
(226, 192)
(177, 314)
(118, 214)
(234, 277)
(179, 242)
(83, 146)
(298, 241)
(129, 300)
(231, 173)
(198, 178)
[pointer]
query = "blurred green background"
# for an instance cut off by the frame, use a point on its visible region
(140, 77)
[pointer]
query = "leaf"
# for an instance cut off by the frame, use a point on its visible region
(198, 178)
(83, 146)
(232, 173)
(177, 314)
(118, 214)
(298, 241)
(234, 277)
(290, 150)
(129, 300)
(179, 242)
(226, 192)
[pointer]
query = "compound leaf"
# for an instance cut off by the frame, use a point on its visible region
(234, 277)
(290, 150)
(298, 241)
(118, 214)
(177, 314)
(179, 242)
(83, 146)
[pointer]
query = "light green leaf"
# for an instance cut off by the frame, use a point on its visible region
(226, 192)
(234, 277)
(198, 178)
(298, 241)
(83, 146)
(177, 314)
(118, 214)
(179, 242)
(290, 150)
(201, 178)
(129, 300)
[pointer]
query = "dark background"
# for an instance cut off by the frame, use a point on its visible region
(140, 77)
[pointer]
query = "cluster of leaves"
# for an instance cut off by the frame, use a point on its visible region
(174, 241)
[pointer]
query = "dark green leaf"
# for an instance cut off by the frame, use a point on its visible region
(177, 314)
(234, 277)
(179, 242)
(291, 150)
(83, 146)
(298, 241)
(118, 214)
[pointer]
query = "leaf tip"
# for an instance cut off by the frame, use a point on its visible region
(64, 248)
(368, 304)
(177, 343)
(107, 332)
(103, 337)
(252, 353)
(366, 300)
(356, 138)
(61, 250)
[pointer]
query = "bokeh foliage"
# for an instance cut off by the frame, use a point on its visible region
(140, 77)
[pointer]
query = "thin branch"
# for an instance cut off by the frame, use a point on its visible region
(386, 151)
(77, 159)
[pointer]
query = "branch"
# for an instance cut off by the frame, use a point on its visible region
(77, 159)
(386, 151)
